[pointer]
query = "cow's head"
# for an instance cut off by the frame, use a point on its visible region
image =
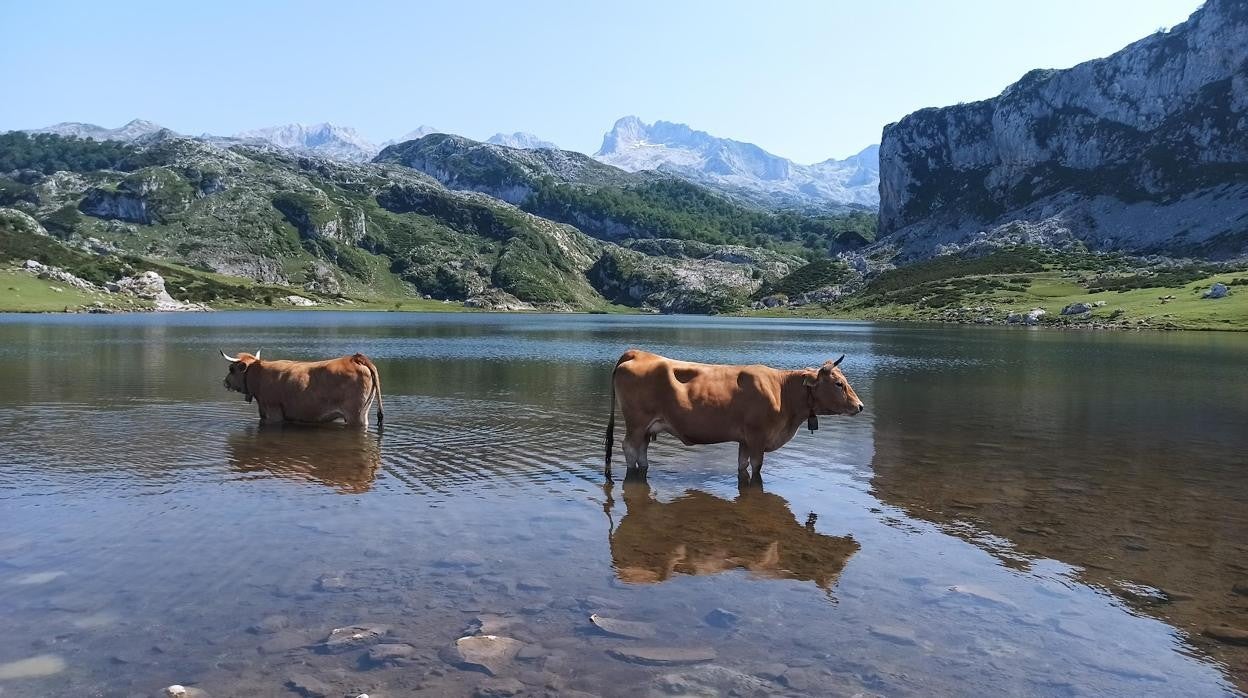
(236, 379)
(830, 392)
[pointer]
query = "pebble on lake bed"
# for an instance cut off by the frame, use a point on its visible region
(179, 691)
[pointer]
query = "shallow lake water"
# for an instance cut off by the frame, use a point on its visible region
(1017, 512)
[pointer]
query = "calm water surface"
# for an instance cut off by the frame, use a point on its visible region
(1016, 513)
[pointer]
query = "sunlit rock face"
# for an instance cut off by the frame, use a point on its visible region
(1142, 150)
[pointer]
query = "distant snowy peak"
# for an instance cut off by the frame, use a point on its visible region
(131, 131)
(739, 168)
(324, 139)
(418, 132)
(520, 139)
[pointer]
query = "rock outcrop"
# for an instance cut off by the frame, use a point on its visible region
(44, 271)
(150, 286)
(1140, 151)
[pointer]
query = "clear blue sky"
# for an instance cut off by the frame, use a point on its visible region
(808, 80)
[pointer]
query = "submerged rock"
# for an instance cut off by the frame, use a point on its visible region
(663, 656)
(894, 633)
(39, 578)
(713, 680)
(489, 624)
(488, 653)
(180, 691)
(979, 593)
(461, 558)
(499, 688)
(631, 629)
(284, 642)
(309, 686)
(270, 624)
(1227, 633)
(32, 667)
(721, 618)
(396, 654)
(353, 637)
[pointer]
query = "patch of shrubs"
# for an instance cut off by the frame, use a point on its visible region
(1167, 278)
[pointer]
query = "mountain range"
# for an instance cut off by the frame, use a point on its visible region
(742, 171)
(440, 216)
(741, 168)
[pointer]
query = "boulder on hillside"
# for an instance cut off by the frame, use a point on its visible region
(1218, 290)
(1077, 309)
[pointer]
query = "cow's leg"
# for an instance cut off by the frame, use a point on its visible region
(271, 414)
(743, 463)
(749, 456)
(756, 466)
(636, 443)
(357, 417)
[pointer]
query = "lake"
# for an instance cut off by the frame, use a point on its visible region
(1017, 511)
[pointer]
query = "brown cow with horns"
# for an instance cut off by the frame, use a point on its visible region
(307, 391)
(760, 408)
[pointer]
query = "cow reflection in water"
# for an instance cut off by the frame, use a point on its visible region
(342, 458)
(699, 533)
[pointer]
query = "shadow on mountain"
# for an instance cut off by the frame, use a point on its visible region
(700, 534)
(342, 458)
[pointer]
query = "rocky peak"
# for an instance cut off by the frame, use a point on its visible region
(418, 132)
(323, 139)
(520, 139)
(128, 132)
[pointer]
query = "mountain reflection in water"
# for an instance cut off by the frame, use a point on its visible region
(700, 534)
(337, 456)
(1141, 495)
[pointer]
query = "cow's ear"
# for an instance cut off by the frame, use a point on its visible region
(812, 378)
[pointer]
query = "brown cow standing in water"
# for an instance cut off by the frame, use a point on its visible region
(309, 392)
(760, 408)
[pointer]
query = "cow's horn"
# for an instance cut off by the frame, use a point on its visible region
(227, 357)
(258, 355)
(838, 361)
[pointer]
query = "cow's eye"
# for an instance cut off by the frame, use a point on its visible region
(840, 384)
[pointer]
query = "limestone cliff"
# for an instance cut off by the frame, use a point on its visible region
(1145, 150)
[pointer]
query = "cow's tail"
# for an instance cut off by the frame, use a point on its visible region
(611, 422)
(372, 370)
